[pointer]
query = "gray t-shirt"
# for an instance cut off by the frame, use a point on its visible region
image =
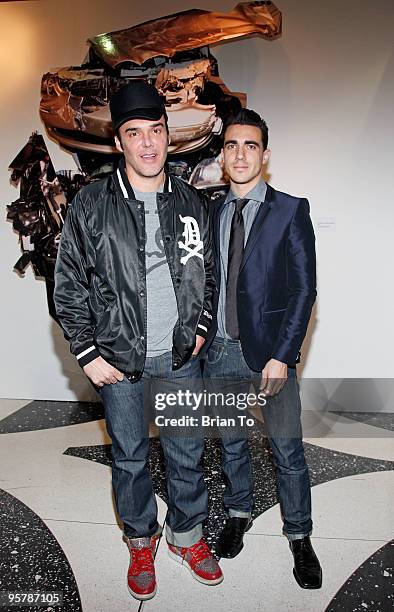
(162, 309)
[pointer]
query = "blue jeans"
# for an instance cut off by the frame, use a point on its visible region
(281, 414)
(127, 424)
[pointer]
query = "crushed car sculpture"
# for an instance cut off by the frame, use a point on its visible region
(172, 53)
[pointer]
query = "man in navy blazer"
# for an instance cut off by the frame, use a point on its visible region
(266, 269)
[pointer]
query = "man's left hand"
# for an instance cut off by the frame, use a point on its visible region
(198, 346)
(273, 377)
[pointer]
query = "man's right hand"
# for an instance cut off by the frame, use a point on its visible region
(102, 373)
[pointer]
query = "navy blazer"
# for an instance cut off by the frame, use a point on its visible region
(277, 279)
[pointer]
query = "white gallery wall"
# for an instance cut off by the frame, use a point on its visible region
(326, 90)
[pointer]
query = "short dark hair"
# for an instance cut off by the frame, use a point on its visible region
(247, 116)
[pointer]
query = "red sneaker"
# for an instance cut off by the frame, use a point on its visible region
(200, 561)
(141, 579)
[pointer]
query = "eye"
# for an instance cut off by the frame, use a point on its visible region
(252, 147)
(157, 130)
(230, 145)
(132, 133)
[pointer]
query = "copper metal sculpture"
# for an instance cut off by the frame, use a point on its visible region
(173, 53)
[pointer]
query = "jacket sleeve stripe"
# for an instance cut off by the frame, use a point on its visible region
(88, 350)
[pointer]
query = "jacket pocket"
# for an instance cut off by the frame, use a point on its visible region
(101, 299)
(105, 294)
(268, 312)
(272, 320)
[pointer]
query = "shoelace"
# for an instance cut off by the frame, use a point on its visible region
(142, 560)
(199, 551)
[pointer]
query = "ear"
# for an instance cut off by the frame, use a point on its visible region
(118, 145)
(221, 158)
(266, 156)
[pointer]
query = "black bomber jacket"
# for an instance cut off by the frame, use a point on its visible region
(100, 281)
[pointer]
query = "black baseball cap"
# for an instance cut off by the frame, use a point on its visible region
(136, 100)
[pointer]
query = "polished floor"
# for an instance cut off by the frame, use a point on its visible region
(58, 528)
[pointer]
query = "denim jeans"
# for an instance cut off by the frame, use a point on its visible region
(127, 424)
(281, 414)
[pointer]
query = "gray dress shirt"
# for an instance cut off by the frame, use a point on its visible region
(255, 197)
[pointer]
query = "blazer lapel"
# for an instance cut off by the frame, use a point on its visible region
(262, 213)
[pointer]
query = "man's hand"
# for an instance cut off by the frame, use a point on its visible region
(273, 377)
(102, 373)
(198, 346)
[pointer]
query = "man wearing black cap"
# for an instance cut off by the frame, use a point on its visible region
(133, 293)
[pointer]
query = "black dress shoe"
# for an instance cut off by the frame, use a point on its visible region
(307, 570)
(230, 541)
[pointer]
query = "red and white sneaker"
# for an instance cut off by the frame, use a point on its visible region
(200, 561)
(141, 579)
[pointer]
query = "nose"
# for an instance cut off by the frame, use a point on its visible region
(240, 153)
(146, 140)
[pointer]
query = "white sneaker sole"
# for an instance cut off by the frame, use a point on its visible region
(179, 559)
(142, 597)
